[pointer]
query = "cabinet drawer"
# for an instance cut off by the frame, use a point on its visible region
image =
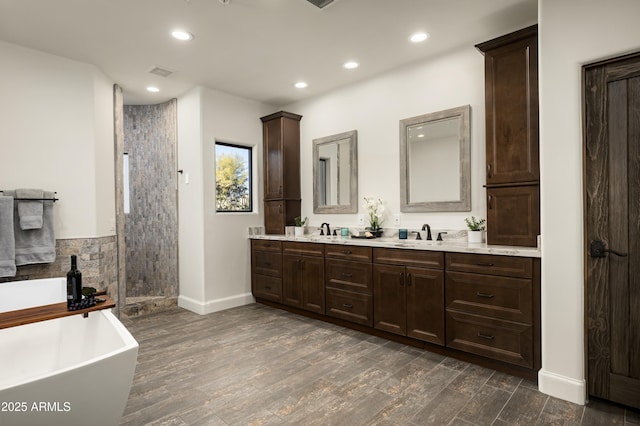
(403, 257)
(354, 307)
(307, 249)
(501, 340)
(346, 275)
(267, 287)
(520, 267)
(266, 245)
(267, 263)
(498, 297)
(348, 252)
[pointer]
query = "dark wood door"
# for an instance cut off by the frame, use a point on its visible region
(312, 283)
(273, 159)
(513, 215)
(389, 302)
(612, 228)
(511, 93)
(291, 280)
(425, 304)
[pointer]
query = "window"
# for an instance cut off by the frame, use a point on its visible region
(233, 178)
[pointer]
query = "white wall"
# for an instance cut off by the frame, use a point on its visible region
(215, 260)
(374, 108)
(57, 130)
(572, 33)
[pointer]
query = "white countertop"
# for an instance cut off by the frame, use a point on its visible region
(457, 246)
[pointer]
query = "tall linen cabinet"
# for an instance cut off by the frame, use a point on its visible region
(281, 152)
(512, 147)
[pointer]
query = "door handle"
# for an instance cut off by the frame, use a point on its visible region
(597, 248)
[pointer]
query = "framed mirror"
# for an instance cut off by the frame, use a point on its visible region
(335, 173)
(435, 163)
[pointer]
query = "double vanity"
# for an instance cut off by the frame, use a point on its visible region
(475, 302)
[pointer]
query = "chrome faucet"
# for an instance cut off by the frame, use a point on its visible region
(427, 228)
(322, 229)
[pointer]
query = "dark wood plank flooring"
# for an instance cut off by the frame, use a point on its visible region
(255, 365)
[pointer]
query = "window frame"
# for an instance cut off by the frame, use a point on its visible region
(250, 153)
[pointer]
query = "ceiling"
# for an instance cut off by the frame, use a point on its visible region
(255, 49)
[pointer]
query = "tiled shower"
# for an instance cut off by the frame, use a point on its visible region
(150, 218)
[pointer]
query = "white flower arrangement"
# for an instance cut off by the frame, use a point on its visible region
(375, 210)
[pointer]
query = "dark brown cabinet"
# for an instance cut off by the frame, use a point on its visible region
(348, 283)
(482, 308)
(491, 306)
(303, 276)
(409, 300)
(512, 142)
(513, 215)
(281, 152)
(266, 266)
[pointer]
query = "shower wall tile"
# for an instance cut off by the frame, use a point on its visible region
(151, 227)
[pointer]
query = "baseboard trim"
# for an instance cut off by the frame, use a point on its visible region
(215, 305)
(562, 387)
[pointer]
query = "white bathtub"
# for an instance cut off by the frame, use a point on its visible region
(67, 371)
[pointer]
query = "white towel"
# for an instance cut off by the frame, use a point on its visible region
(30, 211)
(7, 244)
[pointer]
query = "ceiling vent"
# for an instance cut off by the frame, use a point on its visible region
(162, 72)
(321, 3)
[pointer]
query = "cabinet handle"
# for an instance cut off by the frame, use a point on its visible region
(266, 264)
(408, 279)
(346, 251)
(490, 203)
(401, 279)
(279, 208)
(485, 295)
(268, 288)
(485, 336)
(347, 305)
(484, 264)
(280, 190)
(489, 170)
(347, 275)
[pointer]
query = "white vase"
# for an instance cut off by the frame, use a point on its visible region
(299, 232)
(475, 236)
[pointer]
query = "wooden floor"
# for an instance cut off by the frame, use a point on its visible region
(262, 366)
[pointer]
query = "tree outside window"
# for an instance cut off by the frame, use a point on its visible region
(233, 178)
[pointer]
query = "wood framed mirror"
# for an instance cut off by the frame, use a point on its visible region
(435, 161)
(335, 173)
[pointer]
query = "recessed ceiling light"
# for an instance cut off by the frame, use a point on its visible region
(153, 89)
(351, 65)
(418, 37)
(301, 85)
(182, 35)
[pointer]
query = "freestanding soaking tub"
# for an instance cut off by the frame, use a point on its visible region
(65, 371)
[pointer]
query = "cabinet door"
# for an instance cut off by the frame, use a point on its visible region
(274, 219)
(291, 280)
(511, 91)
(389, 301)
(273, 159)
(425, 304)
(313, 284)
(513, 215)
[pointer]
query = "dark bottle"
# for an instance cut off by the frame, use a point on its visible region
(74, 283)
